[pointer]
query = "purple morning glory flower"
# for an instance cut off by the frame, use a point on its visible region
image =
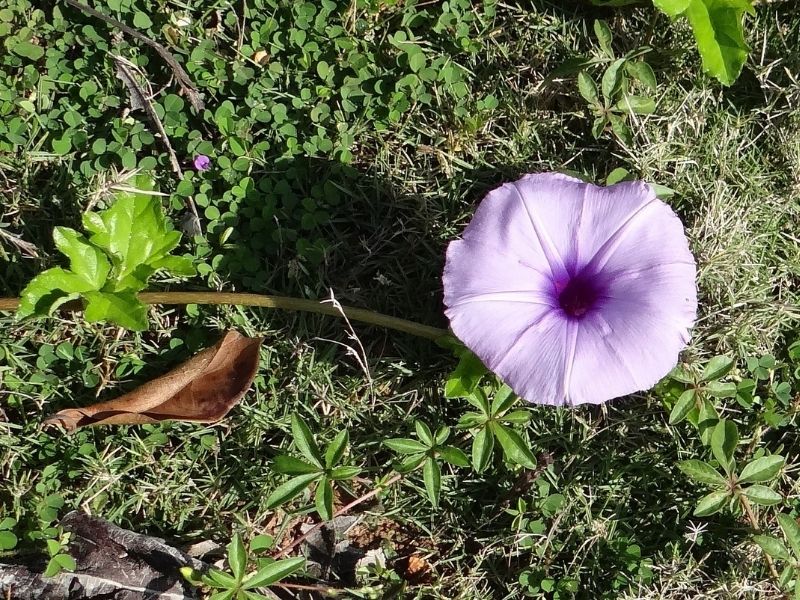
(570, 292)
(202, 162)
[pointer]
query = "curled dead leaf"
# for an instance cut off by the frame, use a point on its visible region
(203, 390)
(261, 57)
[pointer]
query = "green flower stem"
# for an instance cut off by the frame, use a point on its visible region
(280, 302)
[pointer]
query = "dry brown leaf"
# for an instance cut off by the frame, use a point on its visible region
(203, 390)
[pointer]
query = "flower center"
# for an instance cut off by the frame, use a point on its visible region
(578, 296)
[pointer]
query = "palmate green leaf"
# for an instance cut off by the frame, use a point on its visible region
(711, 503)
(466, 376)
(424, 433)
(274, 572)
(482, 448)
(702, 472)
(772, 546)
(717, 28)
(791, 530)
(136, 234)
(503, 400)
(290, 489)
(122, 308)
(761, 469)
(514, 448)
(761, 494)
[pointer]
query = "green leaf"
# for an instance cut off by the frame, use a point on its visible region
(274, 572)
(761, 469)
(479, 400)
(761, 494)
(261, 542)
(604, 37)
(237, 557)
(792, 532)
(66, 562)
(219, 578)
(772, 546)
(707, 420)
(27, 49)
(122, 308)
(432, 475)
(682, 374)
(711, 503)
(222, 595)
(304, 441)
(640, 105)
(717, 27)
(720, 389)
(685, 403)
(702, 472)
(8, 540)
(85, 260)
(643, 73)
(342, 473)
(453, 455)
(53, 568)
(717, 367)
(135, 233)
(617, 175)
(482, 448)
(587, 88)
(324, 499)
(503, 400)
(518, 417)
(7, 523)
(672, 8)
(49, 290)
(513, 447)
(410, 463)
(405, 445)
(466, 376)
(141, 20)
(611, 79)
(336, 449)
(441, 436)
(290, 489)
(289, 465)
(176, 265)
(424, 433)
(723, 443)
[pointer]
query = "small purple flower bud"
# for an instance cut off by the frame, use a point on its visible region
(202, 162)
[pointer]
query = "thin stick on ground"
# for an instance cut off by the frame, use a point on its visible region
(280, 302)
(347, 507)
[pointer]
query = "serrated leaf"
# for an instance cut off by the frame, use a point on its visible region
(711, 503)
(405, 445)
(304, 441)
(455, 456)
(724, 440)
(791, 530)
(86, 261)
(761, 494)
(717, 367)
(122, 308)
(323, 499)
(336, 449)
(432, 476)
(685, 403)
(289, 465)
(772, 546)
(290, 489)
(717, 28)
(237, 557)
(49, 290)
(514, 448)
(274, 572)
(482, 448)
(587, 88)
(702, 472)
(761, 469)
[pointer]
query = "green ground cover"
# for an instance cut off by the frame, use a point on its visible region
(349, 143)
